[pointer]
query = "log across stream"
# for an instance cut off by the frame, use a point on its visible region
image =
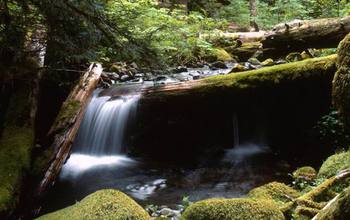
(216, 137)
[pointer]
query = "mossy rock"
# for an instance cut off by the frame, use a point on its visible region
(306, 173)
(222, 55)
(339, 210)
(341, 85)
(279, 193)
(334, 164)
(232, 209)
(268, 62)
(103, 204)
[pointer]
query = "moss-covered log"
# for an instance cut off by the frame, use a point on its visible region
(236, 82)
(341, 82)
(300, 35)
(68, 121)
(283, 99)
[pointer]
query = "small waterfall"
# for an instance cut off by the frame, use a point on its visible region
(102, 131)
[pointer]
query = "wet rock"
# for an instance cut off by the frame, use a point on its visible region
(124, 78)
(218, 65)
(238, 68)
(254, 61)
(196, 74)
(249, 66)
(268, 62)
(281, 61)
(179, 69)
(139, 75)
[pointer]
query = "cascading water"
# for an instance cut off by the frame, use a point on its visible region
(104, 124)
(101, 136)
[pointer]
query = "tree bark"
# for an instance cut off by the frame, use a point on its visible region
(67, 123)
(253, 14)
(300, 35)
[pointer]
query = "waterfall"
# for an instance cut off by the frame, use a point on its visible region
(101, 137)
(103, 128)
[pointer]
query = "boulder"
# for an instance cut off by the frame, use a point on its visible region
(103, 204)
(277, 192)
(232, 209)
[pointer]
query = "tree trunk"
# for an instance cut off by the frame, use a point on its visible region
(67, 123)
(299, 35)
(253, 14)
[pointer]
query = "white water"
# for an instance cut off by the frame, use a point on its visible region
(102, 131)
(101, 137)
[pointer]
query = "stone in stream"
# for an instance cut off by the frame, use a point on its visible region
(254, 61)
(218, 65)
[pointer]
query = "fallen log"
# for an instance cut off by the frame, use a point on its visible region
(67, 123)
(300, 35)
(283, 99)
(294, 36)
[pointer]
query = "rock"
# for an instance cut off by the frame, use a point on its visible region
(334, 164)
(180, 69)
(134, 65)
(238, 68)
(281, 61)
(305, 174)
(254, 61)
(304, 55)
(218, 65)
(196, 74)
(249, 66)
(232, 209)
(103, 204)
(277, 192)
(268, 62)
(124, 78)
(139, 75)
(292, 57)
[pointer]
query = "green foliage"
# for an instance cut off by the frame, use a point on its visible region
(232, 209)
(332, 130)
(103, 204)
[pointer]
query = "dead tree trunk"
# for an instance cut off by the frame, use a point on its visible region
(299, 35)
(68, 121)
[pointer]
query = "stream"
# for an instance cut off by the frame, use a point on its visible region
(100, 159)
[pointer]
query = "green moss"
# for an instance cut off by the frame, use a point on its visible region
(222, 55)
(339, 209)
(15, 151)
(279, 193)
(305, 173)
(68, 110)
(334, 164)
(232, 209)
(103, 204)
(341, 85)
(275, 74)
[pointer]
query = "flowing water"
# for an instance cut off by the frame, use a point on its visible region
(99, 161)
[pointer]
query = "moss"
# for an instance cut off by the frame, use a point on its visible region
(222, 55)
(268, 62)
(279, 193)
(68, 110)
(232, 209)
(341, 85)
(319, 67)
(103, 204)
(15, 151)
(305, 173)
(334, 164)
(339, 209)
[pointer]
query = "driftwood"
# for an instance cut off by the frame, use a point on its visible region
(68, 121)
